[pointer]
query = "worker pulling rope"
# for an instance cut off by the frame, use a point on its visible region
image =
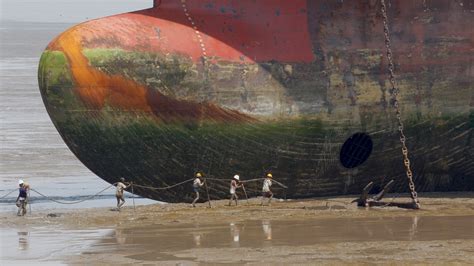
(133, 185)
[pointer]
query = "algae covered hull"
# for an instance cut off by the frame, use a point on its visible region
(249, 87)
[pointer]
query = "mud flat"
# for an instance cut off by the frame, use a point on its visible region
(324, 231)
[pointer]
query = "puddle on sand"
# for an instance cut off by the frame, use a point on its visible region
(20, 246)
(160, 242)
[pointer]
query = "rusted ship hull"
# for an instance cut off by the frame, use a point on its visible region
(246, 87)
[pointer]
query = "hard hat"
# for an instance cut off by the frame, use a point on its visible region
(237, 177)
(122, 179)
(198, 175)
(269, 175)
(20, 182)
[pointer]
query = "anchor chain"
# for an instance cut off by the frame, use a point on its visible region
(394, 93)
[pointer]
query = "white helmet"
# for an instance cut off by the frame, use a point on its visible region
(20, 182)
(237, 177)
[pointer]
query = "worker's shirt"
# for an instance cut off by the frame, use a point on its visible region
(23, 194)
(267, 183)
(233, 186)
(197, 183)
(120, 187)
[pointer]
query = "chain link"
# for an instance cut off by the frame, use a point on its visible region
(394, 92)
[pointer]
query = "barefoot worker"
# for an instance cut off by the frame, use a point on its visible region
(21, 200)
(119, 193)
(197, 184)
(266, 192)
(234, 184)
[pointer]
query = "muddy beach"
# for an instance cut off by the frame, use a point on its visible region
(327, 231)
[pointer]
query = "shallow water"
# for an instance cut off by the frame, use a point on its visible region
(158, 242)
(30, 146)
(44, 245)
(197, 242)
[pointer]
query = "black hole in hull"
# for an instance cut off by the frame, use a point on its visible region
(356, 150)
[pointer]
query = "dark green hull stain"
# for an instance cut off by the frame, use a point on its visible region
(301, 154)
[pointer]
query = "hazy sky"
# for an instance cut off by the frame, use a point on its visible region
(66, 10)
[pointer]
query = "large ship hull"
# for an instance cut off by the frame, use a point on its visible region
(247, 87)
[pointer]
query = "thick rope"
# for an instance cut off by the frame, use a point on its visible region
(4, 196)
(278, 183)
(73, 202)
(249, 180)
(163, 188)
(140, 186)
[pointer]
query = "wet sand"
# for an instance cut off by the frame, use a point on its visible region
(328, 231)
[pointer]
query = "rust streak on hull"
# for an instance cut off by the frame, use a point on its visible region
(96, 88)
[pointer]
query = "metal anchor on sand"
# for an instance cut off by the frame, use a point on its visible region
(376, 201)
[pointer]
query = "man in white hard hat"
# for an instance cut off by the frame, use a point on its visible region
(22, 199)
(24, 184)
(234, 184)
